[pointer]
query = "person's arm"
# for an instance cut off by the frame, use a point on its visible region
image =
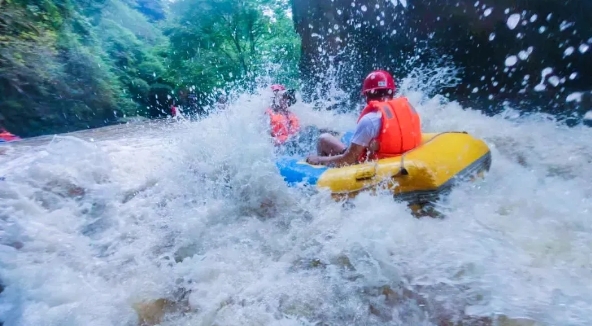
(360, 140)
(349, 157)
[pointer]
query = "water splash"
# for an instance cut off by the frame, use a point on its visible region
(196, 211)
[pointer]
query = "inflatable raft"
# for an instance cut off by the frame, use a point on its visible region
(418, 176)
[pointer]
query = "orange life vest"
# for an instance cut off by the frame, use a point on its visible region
(400, 129)
(283, 126)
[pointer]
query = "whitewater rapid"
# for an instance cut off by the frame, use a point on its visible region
(91, 223)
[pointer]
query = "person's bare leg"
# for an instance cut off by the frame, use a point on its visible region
(329, 145)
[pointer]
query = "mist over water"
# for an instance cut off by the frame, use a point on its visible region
(93, 222)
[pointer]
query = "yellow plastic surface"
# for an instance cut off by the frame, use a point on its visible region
(430, 166)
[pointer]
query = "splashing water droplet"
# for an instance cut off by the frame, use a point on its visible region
(541, 87)
(542, 29)
(575, 96)
(511, 60)
(491, 36)
(487, 12)
(583, 47)
(547, 71)
(523, 55)
(513, 21)
(568, 51)
(554, 80)
(364, 8)
(573, 75)
(565, 25)
(533, 18)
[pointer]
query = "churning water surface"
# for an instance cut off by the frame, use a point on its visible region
(91, 223)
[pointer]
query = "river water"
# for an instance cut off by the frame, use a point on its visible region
(94, 222)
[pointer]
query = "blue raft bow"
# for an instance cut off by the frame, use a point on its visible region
(296, 170)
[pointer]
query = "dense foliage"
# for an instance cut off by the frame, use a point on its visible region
(221, 44)
(72, 64)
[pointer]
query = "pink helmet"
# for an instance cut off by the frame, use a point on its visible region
(278, 87)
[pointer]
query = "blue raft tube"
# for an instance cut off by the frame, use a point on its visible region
(296, 171)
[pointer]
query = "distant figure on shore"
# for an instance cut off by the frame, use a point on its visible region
(174, 109)
(5, 135)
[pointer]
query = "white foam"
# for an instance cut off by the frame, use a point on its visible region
(101, 224)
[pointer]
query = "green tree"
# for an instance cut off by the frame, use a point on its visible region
(218, 43)
(73, 64)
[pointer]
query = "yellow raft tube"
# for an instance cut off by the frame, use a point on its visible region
(419, 176)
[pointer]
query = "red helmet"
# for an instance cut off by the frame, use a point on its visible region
(378, 79)
(278, 87)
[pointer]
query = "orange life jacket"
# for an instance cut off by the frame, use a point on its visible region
(283, 126)
(400, 129)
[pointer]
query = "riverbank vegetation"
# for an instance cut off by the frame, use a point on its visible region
(72, 64)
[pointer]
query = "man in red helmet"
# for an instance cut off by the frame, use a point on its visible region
(386, 127)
